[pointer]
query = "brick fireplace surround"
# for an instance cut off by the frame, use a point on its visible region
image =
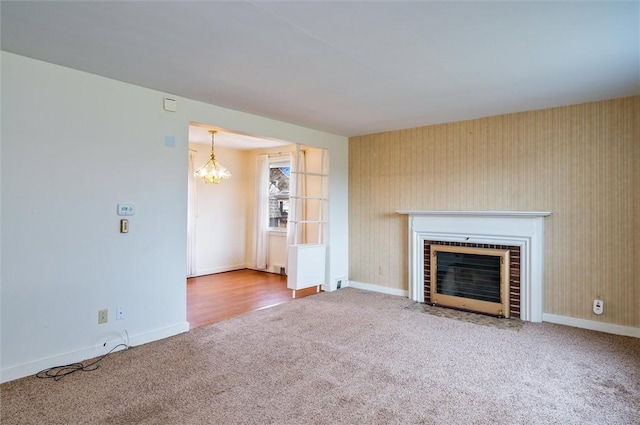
(514, 271)
(521, 231)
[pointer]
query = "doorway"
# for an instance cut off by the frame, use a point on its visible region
(221, 216)
(222, 278)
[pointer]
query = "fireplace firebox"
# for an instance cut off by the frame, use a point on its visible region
(469, 278)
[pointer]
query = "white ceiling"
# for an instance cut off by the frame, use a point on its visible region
(199, 133)
(348, 68)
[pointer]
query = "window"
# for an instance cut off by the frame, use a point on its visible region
(279, 174)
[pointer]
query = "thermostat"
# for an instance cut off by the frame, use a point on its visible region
(126, 209)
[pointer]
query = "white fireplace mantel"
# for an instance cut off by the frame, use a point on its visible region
(515, 228)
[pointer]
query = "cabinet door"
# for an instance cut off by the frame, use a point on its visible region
(307, 266)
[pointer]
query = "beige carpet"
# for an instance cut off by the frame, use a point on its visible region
(479, 319)
(348, 357)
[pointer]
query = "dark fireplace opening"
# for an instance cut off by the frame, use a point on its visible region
(469, 276)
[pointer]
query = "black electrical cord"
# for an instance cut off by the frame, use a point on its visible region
(58, 372)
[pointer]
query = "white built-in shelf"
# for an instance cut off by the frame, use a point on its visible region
(309, 221)
(319, 198)
(307, 260)
(308, 173)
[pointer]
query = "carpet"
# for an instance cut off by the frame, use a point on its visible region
(348, 357)
(466, 316)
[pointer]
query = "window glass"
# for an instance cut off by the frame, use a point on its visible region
(279, 174)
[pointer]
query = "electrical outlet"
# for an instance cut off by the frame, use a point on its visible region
(103, 316)
(598, 306)
(120, 312)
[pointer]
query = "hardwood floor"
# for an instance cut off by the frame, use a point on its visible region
(221, 296)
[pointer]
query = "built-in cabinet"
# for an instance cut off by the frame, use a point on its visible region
(308, 218)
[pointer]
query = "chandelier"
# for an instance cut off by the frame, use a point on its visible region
(212, 171)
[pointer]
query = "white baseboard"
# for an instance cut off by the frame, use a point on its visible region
(546, 317)
(271, 268)
(592, 325)
(376, 288)
(218, 270)
(159, 334)
(31, 368)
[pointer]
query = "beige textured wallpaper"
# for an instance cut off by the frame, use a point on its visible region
(580, 162)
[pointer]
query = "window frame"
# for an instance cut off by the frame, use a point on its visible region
(278, 163)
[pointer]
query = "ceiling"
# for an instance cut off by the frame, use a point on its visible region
(348, 68)
(199, 133)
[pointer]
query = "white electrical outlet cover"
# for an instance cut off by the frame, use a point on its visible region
(598, 306)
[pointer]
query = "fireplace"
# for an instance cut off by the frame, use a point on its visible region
(521, 233)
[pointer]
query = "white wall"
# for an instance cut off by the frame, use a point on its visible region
(221, 212)
(276, 251)
(73, 146)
